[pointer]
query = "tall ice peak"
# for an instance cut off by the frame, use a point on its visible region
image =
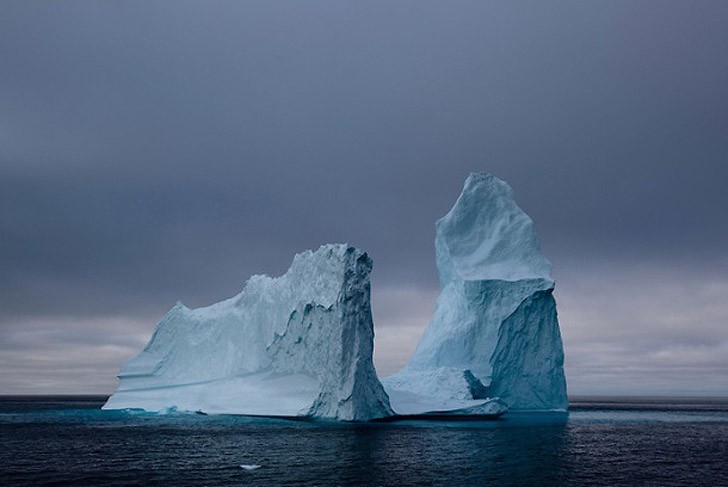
(487, 236)
(494, 332)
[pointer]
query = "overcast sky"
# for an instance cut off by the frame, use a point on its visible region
(156, 151)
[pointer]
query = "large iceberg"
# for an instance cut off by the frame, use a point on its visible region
(301, 344)
(297, 345)
(494, 332)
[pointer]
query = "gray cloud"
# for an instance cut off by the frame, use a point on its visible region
(645, 330)
(61, 356)
(155, 152)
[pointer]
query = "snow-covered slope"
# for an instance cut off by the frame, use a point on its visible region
(297, 345)
(494, 332)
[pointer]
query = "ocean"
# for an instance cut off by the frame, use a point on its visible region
(604, 441)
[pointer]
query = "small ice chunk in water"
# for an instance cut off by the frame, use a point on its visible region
(250, 467)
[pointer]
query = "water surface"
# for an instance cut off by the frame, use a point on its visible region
(604, 441)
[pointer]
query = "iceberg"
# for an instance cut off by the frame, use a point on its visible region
(494, 340)
(297, 345)
(300, 345)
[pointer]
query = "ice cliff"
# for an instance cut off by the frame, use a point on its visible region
(297, 345)
(494, 332)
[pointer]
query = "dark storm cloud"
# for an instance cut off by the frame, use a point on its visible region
(154, 151)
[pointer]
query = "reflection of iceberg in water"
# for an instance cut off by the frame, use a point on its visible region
(494, 332)
(505, 452)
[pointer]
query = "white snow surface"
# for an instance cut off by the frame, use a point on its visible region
(440, 391)
(297, 345)
(495, 320)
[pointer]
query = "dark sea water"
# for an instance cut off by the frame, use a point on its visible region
(604, 441)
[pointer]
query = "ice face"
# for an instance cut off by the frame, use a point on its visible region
(486, 236)
(495, 317)
(297, 345)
